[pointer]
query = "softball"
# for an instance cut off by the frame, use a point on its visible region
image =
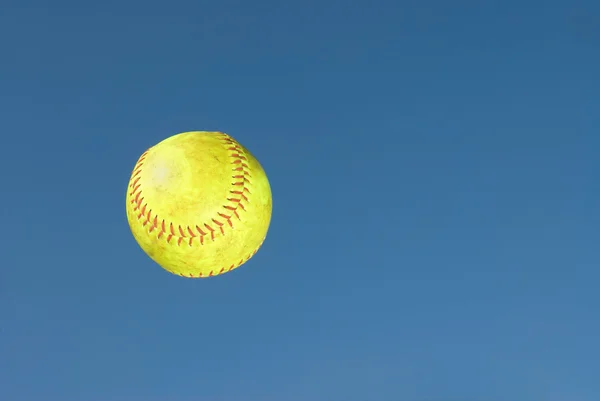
(199, 204)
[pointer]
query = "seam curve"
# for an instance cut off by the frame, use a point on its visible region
(197, 234)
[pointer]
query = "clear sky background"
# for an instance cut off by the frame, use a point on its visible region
(434, 167)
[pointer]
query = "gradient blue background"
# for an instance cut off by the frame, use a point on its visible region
(435, 179)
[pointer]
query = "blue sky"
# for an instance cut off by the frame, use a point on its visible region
(435, 181)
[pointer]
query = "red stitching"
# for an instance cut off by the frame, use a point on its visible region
(223, 270)
(238, 196)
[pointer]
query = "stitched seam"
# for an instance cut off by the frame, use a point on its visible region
(198, 234)
(223, 269)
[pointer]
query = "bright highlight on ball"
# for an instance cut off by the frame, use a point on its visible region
(199, 204)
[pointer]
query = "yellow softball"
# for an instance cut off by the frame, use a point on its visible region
(199, 204)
